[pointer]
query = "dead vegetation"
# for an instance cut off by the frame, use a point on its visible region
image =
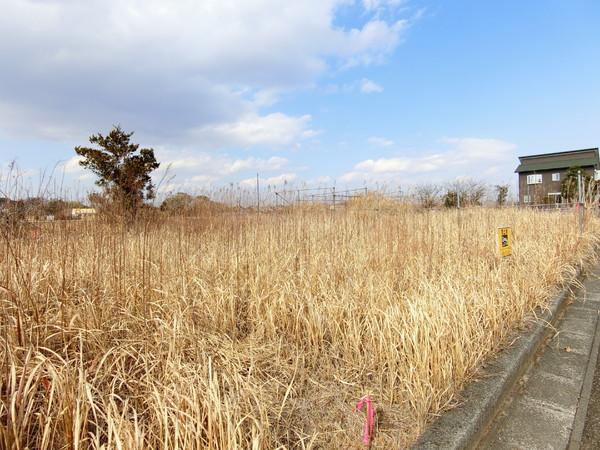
(239, 330)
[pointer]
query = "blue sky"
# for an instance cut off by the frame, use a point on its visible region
(366, 92)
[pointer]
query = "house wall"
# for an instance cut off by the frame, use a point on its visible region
(539, 192)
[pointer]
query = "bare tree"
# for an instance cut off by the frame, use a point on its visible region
(428, 195)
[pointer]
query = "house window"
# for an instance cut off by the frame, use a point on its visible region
(554, 197)
(535, 178)
(527, 199)
(556, 176)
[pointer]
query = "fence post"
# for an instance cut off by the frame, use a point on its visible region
(580, 206)
(334, 197)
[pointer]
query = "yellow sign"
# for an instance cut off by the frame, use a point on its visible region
(505, 241)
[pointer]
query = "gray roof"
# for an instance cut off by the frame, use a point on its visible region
(559, 160)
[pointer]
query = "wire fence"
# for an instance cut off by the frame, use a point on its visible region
(550, 206)
(325, 195)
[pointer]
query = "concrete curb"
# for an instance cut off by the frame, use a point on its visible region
(463, 426)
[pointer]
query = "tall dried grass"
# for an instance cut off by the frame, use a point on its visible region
(261, 331)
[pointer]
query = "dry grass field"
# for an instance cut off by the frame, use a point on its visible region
(262, 331)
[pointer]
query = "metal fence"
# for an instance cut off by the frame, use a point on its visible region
(326, 196)
(550, 206)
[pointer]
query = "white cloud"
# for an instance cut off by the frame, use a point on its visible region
(391, 165)
(72, 165)
(185, 161)
(364, 86)
(324, 179)
(193, 184)
(193, 171)
(72, 168)
(310, 134)
(273, 163)
(277, 180)
(206, 182)
(12, 174)
(173, 70)
(190, 170)
(352, 177)
(373, 5)
(372, 43)
(369, 87)
(274, 129)
(477, 148)
(384, 165)
(203, 180)
(473, 155)
(216, 165)
(380, 141)
(266, 97)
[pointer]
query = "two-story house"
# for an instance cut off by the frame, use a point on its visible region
(541, 176)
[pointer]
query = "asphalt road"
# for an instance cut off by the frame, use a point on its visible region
(591, 431)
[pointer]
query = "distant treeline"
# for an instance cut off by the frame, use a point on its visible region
(186, 204)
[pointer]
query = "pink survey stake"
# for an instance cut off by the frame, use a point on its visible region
(369, 419)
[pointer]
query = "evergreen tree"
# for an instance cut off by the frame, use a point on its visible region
(122, 168)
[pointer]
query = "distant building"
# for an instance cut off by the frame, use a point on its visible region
(541, 176)
(81, 213)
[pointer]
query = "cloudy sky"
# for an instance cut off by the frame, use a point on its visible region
(351, 92)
